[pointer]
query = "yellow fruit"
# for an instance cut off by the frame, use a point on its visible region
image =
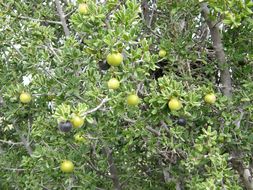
(114, 59)
(83, 8)
(162, 53)
(77, 121)
(67, 166)
(113, 83)
(25, 97)
(175, 104)
(79, 138)
(133, 100)
(210, 98)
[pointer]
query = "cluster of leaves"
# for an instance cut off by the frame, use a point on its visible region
(65, 76)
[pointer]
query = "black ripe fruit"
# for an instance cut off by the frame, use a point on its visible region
(65, 126)
(181, 121)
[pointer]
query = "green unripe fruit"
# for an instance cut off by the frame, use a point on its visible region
(114, 59)
(162, 53)
(133, 100)
(175, 104)
(210, 98)
(25, 97)
(113, 83)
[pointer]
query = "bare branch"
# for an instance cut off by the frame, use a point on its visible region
(62, 17)
(97, 170)
(96, 108)
(152, 13)
(66, 15)
(23, 139)
(219, 51)
(164, 125)
(39, 20)
(107, 18)
(13, 169)
(112, 168)
(238, 121)
(155, 132)
(11, 143)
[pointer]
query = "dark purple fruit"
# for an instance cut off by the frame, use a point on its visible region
(181, 121)
(65, 126)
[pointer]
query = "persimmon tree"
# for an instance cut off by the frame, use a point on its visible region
(126, 94)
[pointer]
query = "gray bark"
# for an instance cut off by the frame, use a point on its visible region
(219, 51)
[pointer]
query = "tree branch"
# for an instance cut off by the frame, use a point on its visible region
(62, 17)
(13, 169)
(219, 51)
(112, 168)
(39, 20)
(155, 132)
(96, 108)
(11, 143)
(23, 139)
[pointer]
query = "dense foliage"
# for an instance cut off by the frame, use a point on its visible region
(141, 142)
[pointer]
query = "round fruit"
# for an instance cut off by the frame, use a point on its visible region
(25, 97)
(210, 98)
(83, 8)
(79, 138)
(65, 126)
(113, 83)
(77, 121)
(162, 53)
(174, 104)
(181, 121)
(114, 59)
(133, 100)
(67, 166)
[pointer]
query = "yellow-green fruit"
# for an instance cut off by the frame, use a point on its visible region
(175, 104)
(133, 100)
(83, 8)
(79, 138)
(25, 97)
(113, 83)
(67, 166)
(162, 53)
(114, 59)
(210, 98)
(77, 121)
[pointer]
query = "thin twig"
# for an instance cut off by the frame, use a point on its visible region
(107, 18)
(39, 20)
(155, 132)
(51, 48)
(96, 108)
(13, 169)
(97, 170)
(66, 15)
(238, 121)
(11, 143)
(164, 125)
